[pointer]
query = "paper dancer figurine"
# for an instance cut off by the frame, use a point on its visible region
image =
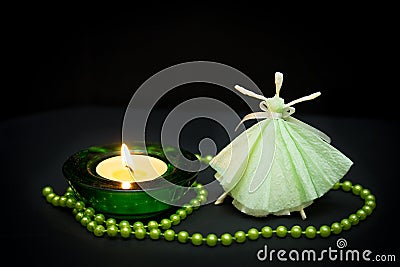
(280, 164)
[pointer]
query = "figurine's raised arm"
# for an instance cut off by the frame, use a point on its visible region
(304, 98)
(249, 93)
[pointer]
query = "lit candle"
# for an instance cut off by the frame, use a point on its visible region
(109, 177)
(129, 168)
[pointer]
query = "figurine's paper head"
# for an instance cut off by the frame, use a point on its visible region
(275, 104)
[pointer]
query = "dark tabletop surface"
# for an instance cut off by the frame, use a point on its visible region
(36, 146)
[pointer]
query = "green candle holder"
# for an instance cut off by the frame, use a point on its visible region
(107, 196)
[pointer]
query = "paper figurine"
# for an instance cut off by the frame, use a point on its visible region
(280, 164)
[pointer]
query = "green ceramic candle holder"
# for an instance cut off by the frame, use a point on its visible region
(107, 196)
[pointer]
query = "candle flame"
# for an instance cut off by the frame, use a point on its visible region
(127, 160)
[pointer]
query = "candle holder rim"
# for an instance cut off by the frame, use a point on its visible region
(100, 153)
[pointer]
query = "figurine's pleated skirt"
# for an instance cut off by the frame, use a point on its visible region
(276, 167)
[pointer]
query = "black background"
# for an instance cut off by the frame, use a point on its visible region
(72, 69)
(69, 55)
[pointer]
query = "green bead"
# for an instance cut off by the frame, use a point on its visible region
(152, 225)
(79, 216)
(175, 219)
(369, 197)
(85, 220)
(357, 189)
(99, 218)
(353, 218)
(137, 225)
(371, 204)
(63, 201)
(50, 197)
(111, 221)
(69, 190)
(140, 233)
(266, 231)
(89, 212)
(281, 231)
(336, 228)
(69, 194)
(211, 240)
(79, 205)
(202, 199)
(155, 233)
(74, 211)
(91, 225)
(125, 231)
(181, 213)
(240, 237)
(203, 192)
(195, 203)
(165, 224)
(325, 231)
(336, 186)
(112, 230)
(99, 230)
(361, 214)
(364, 193)
(183, 236)
(208, 158)
(47, 190)
(169, 235)
(253, 234)
(226, 239)
(70, 203)
(55, 201)
(346, 186)
(188, 208)
(197, 239)
(199, 186)
(368, 210)
(124, 223)
(311, 232)
(346, 224)
(296, 231)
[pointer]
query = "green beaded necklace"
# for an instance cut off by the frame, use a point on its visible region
(99, 225)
